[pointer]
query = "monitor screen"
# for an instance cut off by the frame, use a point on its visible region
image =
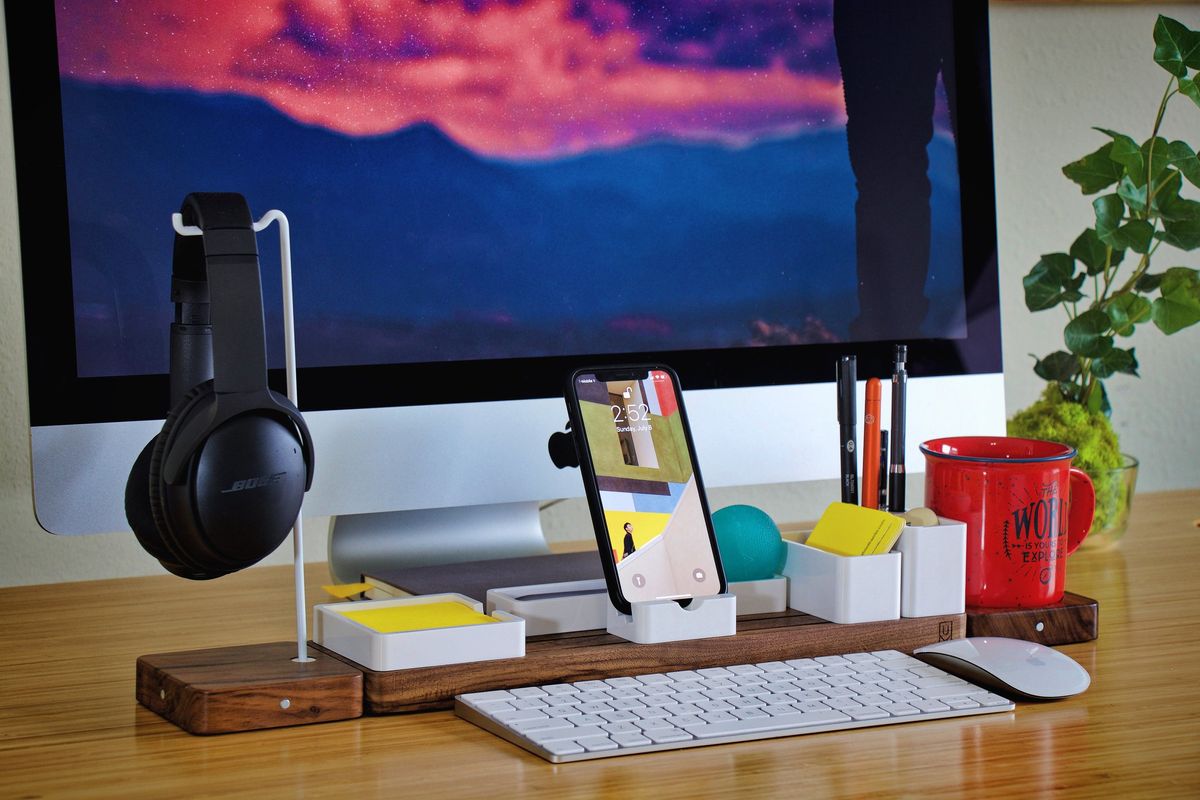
(486, 194)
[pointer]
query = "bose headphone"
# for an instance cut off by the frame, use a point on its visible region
(220, 486)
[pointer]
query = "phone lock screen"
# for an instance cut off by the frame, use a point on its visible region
(647, 487)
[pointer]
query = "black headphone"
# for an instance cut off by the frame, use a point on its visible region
(220, 487)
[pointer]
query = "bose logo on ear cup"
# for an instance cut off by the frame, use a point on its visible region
(254, 483)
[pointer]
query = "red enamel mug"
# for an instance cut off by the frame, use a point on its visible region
(1026, 510)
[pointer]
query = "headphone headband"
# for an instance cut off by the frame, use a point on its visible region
(216, 277)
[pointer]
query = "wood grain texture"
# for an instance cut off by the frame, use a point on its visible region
(1073, 619)
(590, 655)
(70, 727)
(247, 687)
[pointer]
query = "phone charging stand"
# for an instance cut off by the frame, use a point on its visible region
(657, 621)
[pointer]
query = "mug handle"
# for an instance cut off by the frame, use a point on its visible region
(1082, 508)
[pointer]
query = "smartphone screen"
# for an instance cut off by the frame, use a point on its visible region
(646, 491)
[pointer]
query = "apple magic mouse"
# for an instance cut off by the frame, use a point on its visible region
(1011, 666)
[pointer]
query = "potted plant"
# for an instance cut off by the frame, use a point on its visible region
(1105, 285)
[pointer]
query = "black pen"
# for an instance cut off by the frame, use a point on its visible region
(883, 471)
(896, 465)
(848, 425)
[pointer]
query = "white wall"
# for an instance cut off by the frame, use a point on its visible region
(1056, 70)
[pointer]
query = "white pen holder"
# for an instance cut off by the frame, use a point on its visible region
(657, 621)
(933, 574)
(842, 588)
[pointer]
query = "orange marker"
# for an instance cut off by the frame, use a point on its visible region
(870, 478)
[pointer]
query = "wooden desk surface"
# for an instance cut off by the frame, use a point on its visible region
(69, 724)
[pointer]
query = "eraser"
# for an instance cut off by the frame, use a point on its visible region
(919, 517)
(850, 530)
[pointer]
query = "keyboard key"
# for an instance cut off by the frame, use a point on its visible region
(764, 724)
(992, 700)
(557, 734)
(564, 748)
(531, 725)
(520, 714)
(774, 666)
(653, 679)
(715, 672)
(899, 709)
(745, 669)
(528, 704)
(475, 698)
(595, 744)
(555, 689)
(831, 660)
(562, 712)
(802, 663)
(949, 690)
(621, 727)
(629, 739)
(928, 705)
(865, 713)
(665, 735)
(623, 683)
(860, 658)
(527, 692)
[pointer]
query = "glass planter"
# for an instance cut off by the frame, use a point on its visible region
(1114, 496)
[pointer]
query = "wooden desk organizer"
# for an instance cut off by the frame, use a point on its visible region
(588, 655)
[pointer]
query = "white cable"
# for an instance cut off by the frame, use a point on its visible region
(289, 360)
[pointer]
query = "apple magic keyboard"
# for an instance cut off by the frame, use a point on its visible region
(663, 711)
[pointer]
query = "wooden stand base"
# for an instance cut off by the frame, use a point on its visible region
(596, 654)
(1073, 619)
(247, 688)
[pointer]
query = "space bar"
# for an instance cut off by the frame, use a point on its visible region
(782, 722)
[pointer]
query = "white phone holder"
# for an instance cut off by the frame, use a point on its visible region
(655, 621)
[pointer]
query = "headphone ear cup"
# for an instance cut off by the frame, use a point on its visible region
(240, 496)
(181, 559)
(137, 505)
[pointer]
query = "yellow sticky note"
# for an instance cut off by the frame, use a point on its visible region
(851, 530)
(344, 590)
(416, 616)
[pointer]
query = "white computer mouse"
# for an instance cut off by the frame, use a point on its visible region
(1010, 666)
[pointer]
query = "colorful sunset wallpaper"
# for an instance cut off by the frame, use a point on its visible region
(472, 179)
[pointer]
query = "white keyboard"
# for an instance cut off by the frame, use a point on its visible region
(663, 711)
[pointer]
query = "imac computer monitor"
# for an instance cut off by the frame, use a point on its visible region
(485, 195)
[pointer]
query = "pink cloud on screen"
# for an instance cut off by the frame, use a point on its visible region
(514, 80)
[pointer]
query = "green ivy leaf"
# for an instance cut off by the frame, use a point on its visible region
(1098, 400)
(1175, 45)
(1114, 361)
(1189, 87)
(1179, 303)
(1181, 224)
(1155, 151)
(1136, 235)
(1148, 282)
(1087, 334)
(1058, 366)
(1110, 210)
(1183, 157)
(1167, 192)
(1095, 170)
(1127, 310)
(1092, 253)
(1125, 151)
(1133, 194)
(1044, 283)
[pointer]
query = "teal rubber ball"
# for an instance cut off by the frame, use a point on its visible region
(750, 544)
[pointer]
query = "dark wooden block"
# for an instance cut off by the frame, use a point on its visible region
(1073, 619)
(244, 688)
(590, 655)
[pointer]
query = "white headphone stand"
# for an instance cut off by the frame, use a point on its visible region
(250, 687)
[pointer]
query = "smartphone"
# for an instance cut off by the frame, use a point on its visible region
(643, 485)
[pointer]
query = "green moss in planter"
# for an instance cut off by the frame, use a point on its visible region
(1090, 432)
